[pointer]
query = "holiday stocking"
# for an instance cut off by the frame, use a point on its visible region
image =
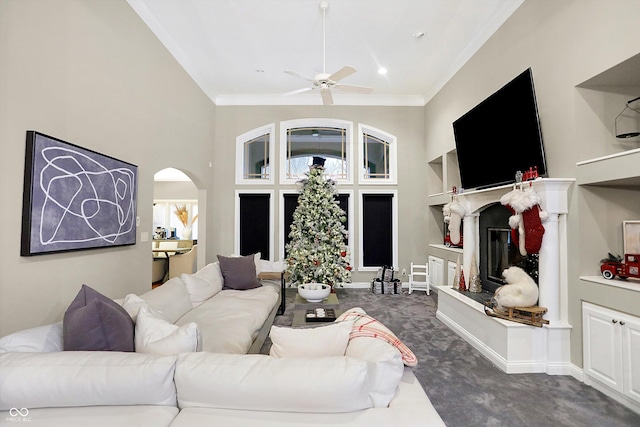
(515, 221)
(455, 212)
(528, 216)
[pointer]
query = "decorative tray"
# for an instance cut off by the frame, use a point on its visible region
(320, 315)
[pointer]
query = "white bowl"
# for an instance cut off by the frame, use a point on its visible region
(314, 292)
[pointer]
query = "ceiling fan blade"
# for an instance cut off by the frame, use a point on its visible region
(297, 74)
(327, 99)
(294, 92)
(352, 88)
(343, 72)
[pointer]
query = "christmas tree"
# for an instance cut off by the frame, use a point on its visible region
(317, 252)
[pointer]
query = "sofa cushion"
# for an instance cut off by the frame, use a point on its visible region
(322, 341)
(230, 321)
(132, 304)
(366, 326)
(156, 335)
(94, 322)
(85, 378)
(385, 367)
(171, 299)
(203, 284)
(40, 339)
(239, 272)
(264, 383)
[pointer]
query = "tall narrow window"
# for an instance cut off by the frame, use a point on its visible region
(378, 230)
(254, 156)
(304, 139)
(378, 152)
(254, 224)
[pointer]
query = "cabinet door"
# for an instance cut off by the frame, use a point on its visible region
(631, 357)
(602, 346)
(436, 271)
(451, 272)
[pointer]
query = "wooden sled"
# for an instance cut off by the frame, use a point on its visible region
(527, 315)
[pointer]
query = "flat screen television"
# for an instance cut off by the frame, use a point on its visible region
(500, 136)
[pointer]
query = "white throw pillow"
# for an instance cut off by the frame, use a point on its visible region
(45, 339)
(203, 284)
(155, 335)
(132, 304)
(263, 265)
(171, 299)
(330, 340)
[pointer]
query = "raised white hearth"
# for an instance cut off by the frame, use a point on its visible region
(514, 347)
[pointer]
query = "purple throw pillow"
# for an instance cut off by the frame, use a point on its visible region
(94, 322)
(239, 272)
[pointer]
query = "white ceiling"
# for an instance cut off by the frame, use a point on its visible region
(237, 50)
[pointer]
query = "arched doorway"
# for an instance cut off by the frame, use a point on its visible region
(175, 219)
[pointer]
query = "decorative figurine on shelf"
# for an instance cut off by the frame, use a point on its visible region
(613, 266)
(475, 283)
(520, 290)
(456, 277)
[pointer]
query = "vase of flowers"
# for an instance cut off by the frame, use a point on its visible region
(183, 215)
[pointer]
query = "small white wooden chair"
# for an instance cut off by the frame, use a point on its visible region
(419, 278)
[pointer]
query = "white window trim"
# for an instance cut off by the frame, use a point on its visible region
(236, 242)
(350, 224)
(318, 122)
(269, 129)
(393, 156)
(394, 228)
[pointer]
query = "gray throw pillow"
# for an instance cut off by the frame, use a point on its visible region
(94, 322)
(239, 272)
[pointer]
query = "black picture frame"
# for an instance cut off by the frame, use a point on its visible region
(75, 198)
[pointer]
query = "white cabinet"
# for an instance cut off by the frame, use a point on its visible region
(436, 270)
(451, 272)
(611, 346)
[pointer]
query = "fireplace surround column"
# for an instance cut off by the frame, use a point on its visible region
(470, 236)
(549, 269)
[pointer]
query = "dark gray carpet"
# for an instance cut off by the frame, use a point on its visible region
(464, 387)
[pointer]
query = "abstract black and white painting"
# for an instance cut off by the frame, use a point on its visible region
(75, 198)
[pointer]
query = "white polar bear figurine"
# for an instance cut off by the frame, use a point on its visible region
(520, 290)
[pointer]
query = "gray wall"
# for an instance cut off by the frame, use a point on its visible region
(90, 73)
(565, 42)
(406, 123)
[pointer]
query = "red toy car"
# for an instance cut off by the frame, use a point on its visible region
(629, 268)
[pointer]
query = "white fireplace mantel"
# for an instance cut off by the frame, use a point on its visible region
(513, 347)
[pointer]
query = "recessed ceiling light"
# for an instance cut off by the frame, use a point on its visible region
(259, 71)
(382, 71)
(418, 35)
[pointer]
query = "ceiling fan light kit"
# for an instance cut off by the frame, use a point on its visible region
(324, 81)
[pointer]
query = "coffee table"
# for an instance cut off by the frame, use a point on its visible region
(302, 305)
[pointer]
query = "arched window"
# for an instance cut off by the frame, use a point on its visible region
(378, 156)
(254, 154)
(302, 140)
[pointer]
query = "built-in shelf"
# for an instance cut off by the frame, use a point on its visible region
(630, 284)
(446, 248)
(615, 170)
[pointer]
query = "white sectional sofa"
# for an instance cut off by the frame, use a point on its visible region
(366, 384)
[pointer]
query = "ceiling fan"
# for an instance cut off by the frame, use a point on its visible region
(324, 81)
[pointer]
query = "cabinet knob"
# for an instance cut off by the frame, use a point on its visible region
(621, 323)
(614, 321)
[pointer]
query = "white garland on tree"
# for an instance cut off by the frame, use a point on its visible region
(317, 252)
